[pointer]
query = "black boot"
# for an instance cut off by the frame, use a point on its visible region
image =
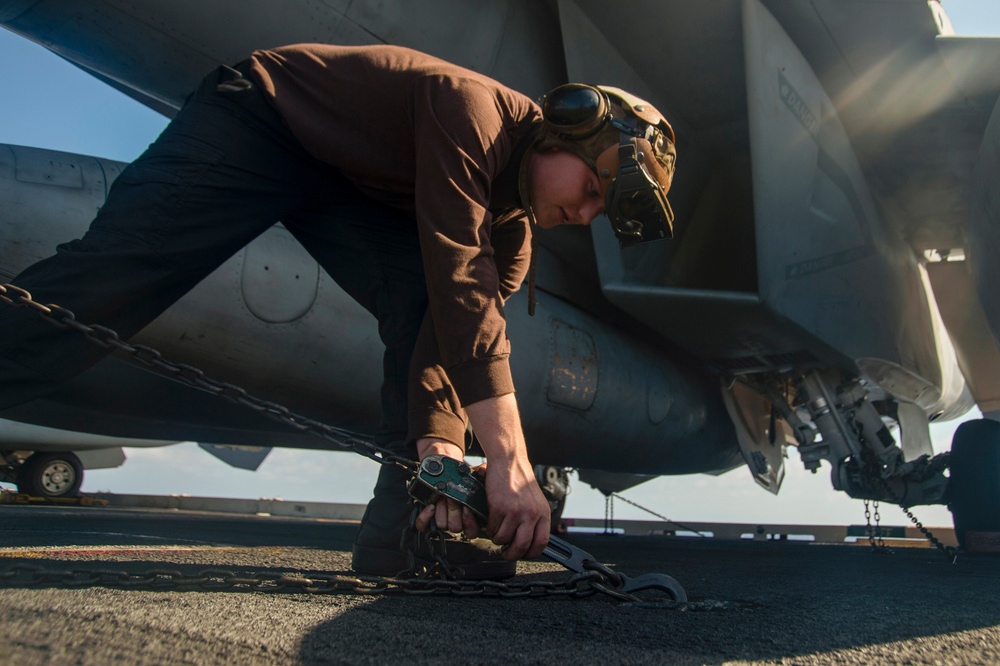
(378, 548)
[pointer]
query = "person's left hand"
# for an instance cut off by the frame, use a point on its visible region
(446, 513)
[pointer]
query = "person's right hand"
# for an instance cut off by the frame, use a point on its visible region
(519, 513)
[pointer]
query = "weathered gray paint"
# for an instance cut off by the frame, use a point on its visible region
(803, 190)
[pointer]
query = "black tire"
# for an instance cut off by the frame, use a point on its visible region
(974, 486)
(50, 475)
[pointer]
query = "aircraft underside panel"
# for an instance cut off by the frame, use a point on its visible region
(21, 436)
(827, 260)
(592, 396)
(40, 190)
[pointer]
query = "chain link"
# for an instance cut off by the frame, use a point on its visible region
(438, 579)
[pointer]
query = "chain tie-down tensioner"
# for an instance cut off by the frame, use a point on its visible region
(443, 476)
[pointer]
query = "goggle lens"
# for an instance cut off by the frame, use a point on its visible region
(574, 108)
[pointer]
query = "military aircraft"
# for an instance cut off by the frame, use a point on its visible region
(827, 287)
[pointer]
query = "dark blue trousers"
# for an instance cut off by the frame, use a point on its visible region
(221, 173)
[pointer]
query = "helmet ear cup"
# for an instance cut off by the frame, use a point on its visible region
(575, 111)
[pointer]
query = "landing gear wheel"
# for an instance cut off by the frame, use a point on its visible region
(50, 475)
(974, 486)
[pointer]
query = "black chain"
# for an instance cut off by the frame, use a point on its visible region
(580, 585)
(607, 501)
(875, 533)
(436, 542)
(436, 580)
(948, 551)
(196, 378)
(660, 516)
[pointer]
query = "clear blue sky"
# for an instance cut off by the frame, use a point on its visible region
(50, 104)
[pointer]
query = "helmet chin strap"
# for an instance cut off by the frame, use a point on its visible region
(524, 191)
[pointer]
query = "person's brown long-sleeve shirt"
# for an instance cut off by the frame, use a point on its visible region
(443, 143)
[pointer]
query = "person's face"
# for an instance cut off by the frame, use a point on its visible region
(563, 190)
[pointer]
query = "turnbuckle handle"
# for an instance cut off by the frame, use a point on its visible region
(570, 556)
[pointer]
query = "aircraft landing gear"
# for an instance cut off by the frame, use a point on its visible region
(974, 487)
(50, 475)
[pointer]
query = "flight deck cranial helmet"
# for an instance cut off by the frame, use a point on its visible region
(627, 143)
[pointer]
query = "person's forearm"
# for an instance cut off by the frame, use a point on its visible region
(519, 512)
(497, 424)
